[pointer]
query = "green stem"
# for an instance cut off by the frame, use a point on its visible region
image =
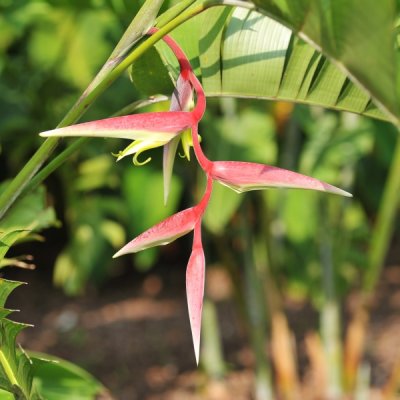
(385, 224)
(330, 318)
(256, 311)
(55, 163)
(20, 182)
(212, 356)
(7, 369)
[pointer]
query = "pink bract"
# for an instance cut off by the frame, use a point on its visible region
(164, 232)
(245, 176)
(195, 273)
(138, 126)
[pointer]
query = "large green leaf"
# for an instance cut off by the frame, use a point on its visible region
(243, 53)
(358, 35)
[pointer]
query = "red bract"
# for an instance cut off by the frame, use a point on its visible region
(245, 176)
(195, 273)
(164, 232)
(154, 126)
(169, 229)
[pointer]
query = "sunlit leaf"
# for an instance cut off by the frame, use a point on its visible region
(243, 53)
(342, 30)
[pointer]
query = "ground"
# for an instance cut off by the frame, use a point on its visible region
(133, 334)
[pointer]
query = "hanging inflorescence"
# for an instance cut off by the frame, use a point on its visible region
(149, 130)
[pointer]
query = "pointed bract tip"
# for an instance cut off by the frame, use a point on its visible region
(47, 133)
(195, 292)
(335, 190)
(164, 232)
(197, 354)
(118, 254)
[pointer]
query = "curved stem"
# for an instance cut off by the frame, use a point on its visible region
(197, 244)
(204, 162)
(200, 107)
(184, 63)
(207, 194)
(187, 73)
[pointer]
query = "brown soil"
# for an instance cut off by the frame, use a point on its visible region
(133, 334)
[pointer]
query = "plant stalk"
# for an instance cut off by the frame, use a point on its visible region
(256, 312)
(330, 317)
(212, 357)
(385, 224)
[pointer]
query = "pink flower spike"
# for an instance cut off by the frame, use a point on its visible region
(157, 126)
(164, 232)
(195, 288)
(245, 176)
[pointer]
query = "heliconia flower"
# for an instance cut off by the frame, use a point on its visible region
(195, 273)
(245, 176)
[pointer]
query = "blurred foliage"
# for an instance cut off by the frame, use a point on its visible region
(49, 51)
(329, 146)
